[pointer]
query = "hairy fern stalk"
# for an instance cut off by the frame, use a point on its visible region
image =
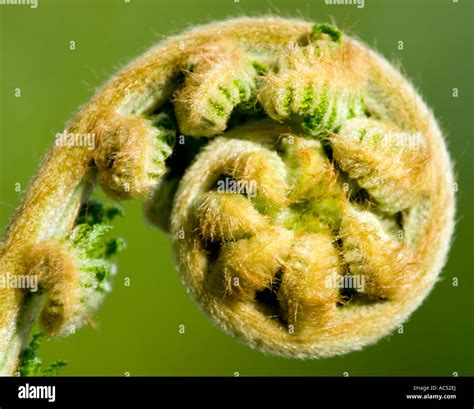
(286, 160)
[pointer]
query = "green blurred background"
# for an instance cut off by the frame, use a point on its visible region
(137, 328)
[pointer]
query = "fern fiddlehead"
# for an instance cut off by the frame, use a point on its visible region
(285, 160)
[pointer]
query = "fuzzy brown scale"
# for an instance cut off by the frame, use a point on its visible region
(299, 177)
